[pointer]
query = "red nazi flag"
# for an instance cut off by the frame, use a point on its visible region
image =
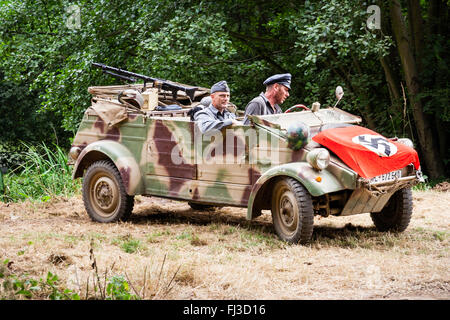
(367, 152)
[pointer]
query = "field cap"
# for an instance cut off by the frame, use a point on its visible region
(220, 86)
(284, 79)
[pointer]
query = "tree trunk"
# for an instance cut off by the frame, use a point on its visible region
(438, 19)
(392, 82)
(430, 151)
(391, 74)
(416, 31)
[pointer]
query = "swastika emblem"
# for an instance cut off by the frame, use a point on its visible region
(375, 143)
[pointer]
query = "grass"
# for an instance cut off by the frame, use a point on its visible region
(440, 235)
(186, 235)
(43, 175)
(22, 286)
(257, 238)
(129, 244)
(191, 237)
(221, 256)
(196, 241)
(157, 236)
(19, 286)
(351, 237)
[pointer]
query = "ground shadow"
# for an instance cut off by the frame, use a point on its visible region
(194, 217)
(348, 236)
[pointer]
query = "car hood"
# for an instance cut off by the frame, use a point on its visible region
(367, 152)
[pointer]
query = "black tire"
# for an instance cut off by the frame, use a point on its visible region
(292, 211)
(104, 195)
(397, 213)
(199, 206)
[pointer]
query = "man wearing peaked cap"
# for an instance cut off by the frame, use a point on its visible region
(216, 116)
(277, 90)
(284, 79)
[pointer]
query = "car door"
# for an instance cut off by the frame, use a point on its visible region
(224, 170)
(170, 165)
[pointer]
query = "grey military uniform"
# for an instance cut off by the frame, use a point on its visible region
(210, 119)
(259, 106)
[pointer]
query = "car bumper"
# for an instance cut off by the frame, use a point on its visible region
(372, 197)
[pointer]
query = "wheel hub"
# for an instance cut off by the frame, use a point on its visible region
(105, 194)
(288, 212)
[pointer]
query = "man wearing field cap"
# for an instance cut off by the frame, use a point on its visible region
(277, 90)
(216, 116)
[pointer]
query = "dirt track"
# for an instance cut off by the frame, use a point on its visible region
(217, 254)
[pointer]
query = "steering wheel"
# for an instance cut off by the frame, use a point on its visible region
(297, 106)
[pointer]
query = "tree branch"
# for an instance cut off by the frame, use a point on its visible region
(242, 61)
(247, 38)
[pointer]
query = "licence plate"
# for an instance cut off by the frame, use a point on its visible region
(387, 177)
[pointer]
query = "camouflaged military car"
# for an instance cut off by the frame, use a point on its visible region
(286, 163)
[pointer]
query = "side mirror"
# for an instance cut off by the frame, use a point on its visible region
(339, 94)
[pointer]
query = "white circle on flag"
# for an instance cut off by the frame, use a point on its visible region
(377, 144)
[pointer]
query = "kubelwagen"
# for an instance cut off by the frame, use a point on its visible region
(297, 164)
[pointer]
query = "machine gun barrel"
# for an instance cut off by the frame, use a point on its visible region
(120, 76)
(130, 76)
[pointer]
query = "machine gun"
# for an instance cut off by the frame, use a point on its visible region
(160, 83)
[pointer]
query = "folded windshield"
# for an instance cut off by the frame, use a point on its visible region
(312, 119)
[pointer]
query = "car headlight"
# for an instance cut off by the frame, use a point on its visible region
(74, 152)
(406, 142)
(318, 158)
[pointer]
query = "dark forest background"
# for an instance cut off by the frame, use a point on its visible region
(393, 63)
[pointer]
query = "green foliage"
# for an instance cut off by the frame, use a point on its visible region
(11, 155)
(19, 120)
(14, 286)
(44, 174)
(118, 289)
(128, 244)
(131, 246)
(198, 43)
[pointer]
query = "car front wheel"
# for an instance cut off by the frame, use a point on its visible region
(292, 211)
(104, 195)
(397, 213)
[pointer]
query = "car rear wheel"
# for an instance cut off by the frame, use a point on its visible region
(104, 195)
(397, 213)
(292, 211)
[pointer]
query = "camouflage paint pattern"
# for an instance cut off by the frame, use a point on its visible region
(168, 157)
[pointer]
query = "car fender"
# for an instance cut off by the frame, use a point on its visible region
(316, 182)
(122, 158)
